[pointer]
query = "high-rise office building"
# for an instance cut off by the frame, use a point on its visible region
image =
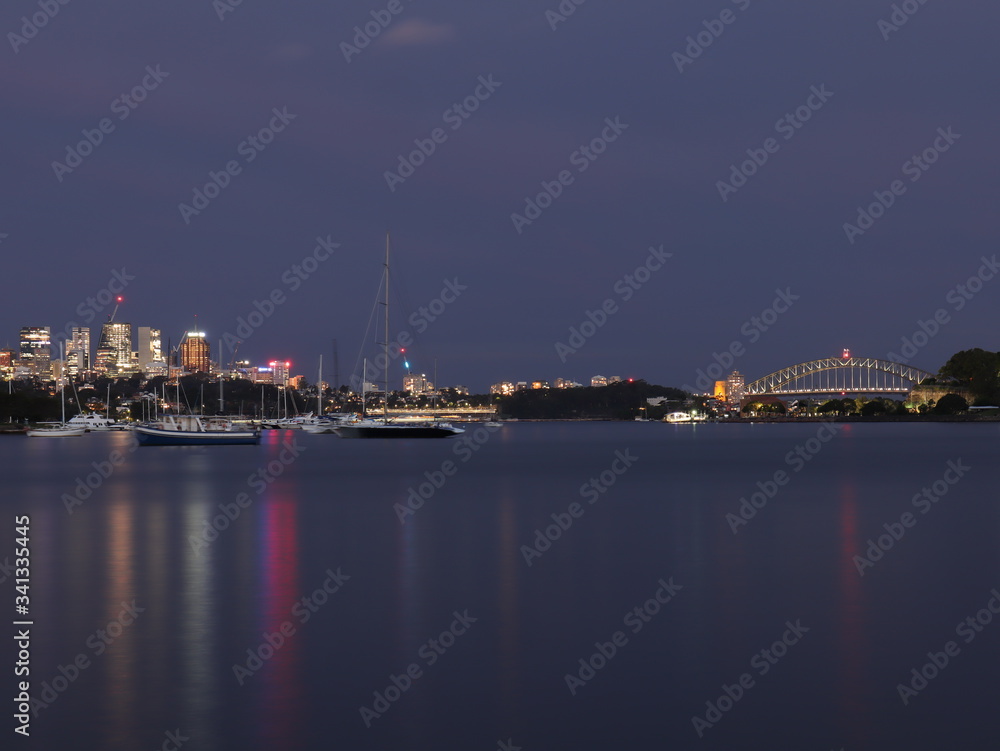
(114, 350)
(7, 359)
(150, 351)
(196, 353)
(78, 350)
(36, 349)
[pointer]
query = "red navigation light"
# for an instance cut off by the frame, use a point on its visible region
(119, 298)
(847, 354)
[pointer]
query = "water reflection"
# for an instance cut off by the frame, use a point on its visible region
(120, 645)
(279, 697)
(198, 679)
(852, 644)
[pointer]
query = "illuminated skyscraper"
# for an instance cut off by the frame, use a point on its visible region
(78, 350)
(150, 350)
(36, 349)
(114, 350)
(196, 353)
(280, 370)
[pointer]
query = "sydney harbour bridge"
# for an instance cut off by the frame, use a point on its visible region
(840, 375)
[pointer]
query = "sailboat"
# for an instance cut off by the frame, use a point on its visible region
(384, 427)
(59, 429)
(320, 424)
(193, 430)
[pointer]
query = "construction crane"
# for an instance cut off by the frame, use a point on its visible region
(232, 361)
(118, 301)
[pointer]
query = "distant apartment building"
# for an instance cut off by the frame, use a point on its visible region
(36, 349)
(417, 384)
(566, 383)
(114, 349)
(735, 389)
(196, 353)
(261, 375)
(615, 379)
(504, 388)
(720, 390)
(598, 380)
(540, 385)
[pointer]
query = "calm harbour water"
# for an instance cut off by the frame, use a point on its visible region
(466, 643)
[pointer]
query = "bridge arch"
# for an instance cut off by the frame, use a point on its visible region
(858, 375)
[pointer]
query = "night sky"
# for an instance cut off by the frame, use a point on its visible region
(847, 102)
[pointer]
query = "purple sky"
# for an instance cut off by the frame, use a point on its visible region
(553, 90)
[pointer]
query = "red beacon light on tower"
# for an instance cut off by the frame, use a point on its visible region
(847, 354)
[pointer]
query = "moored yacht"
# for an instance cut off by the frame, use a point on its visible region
(194, 430)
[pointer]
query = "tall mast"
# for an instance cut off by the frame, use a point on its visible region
(385, 403)
(62, 383)
(319, 389)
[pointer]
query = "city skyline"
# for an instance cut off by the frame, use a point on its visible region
(551, 206)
